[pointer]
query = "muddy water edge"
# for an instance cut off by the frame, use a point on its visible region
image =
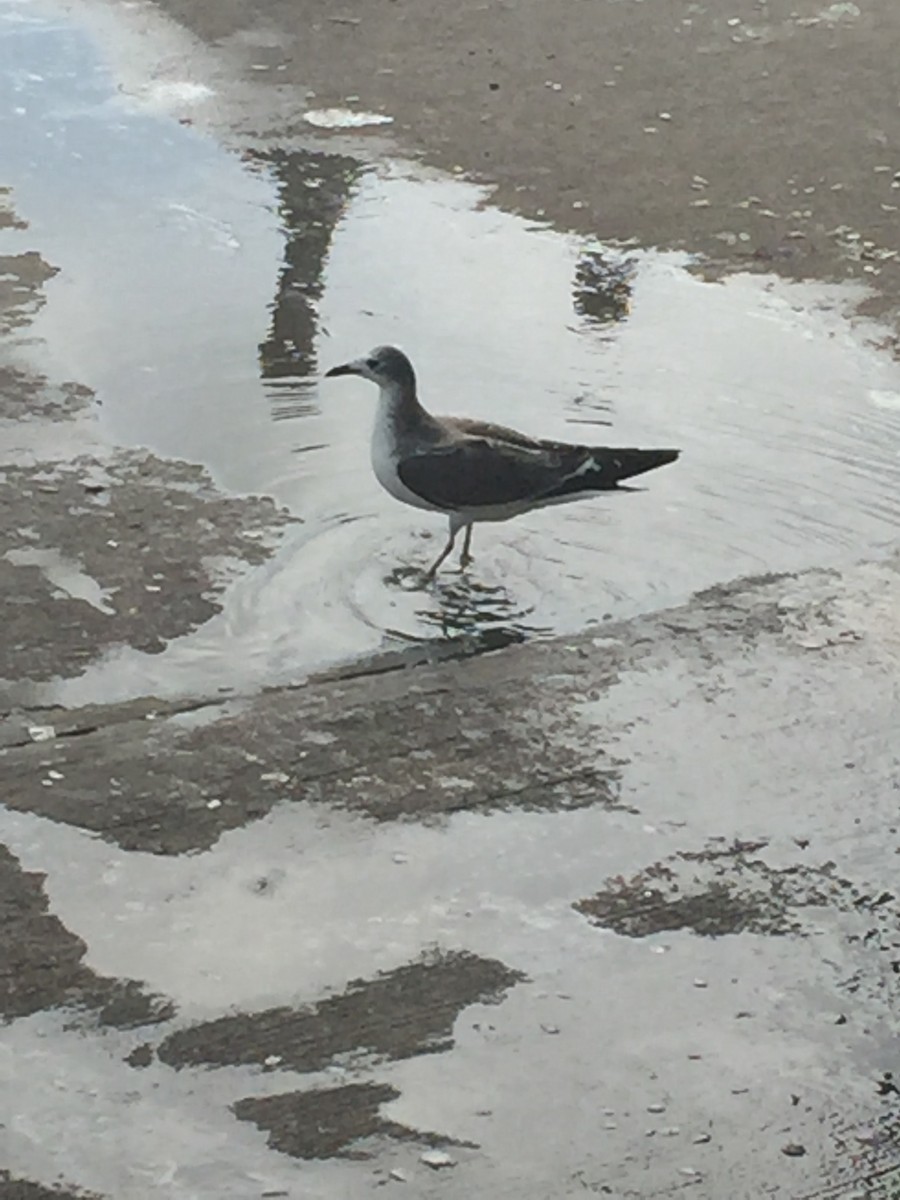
(323, 940)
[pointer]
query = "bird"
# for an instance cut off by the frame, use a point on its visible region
(472, 470)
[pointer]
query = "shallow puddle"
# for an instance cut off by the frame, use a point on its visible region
(203, 296)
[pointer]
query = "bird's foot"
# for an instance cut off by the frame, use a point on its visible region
(465, 561)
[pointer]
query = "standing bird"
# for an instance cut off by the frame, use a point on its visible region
(471, 470)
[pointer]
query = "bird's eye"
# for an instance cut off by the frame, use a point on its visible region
(372, 364)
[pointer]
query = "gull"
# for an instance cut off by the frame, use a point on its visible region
(472, 470)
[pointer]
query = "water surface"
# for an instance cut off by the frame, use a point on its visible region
(203, 295)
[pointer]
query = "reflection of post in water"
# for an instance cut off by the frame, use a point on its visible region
(313, 191)
(602, 291)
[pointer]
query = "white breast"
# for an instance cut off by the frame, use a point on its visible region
(385, 454)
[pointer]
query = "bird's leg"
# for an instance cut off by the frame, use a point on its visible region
(451, 540)
(465, 558)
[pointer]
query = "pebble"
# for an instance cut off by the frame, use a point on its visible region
(41, 733)
(701, 1139)
(793, 1150)
(396, 1173)
(214, 804)
(436, 1159)
(656, 1108)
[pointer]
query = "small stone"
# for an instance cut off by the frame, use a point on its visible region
(700, 204)
(214, 804)
(665, 116)
(55, 775)
(672, 1131)
(272, 1060)
(41, 733)
(274, 777)
(399, 858)
(701, 1139)
(700, 983)
(396, 1173)
(656, 1108)
(691, 1172)
(793, 1150)
(550, 1028)
(437, 1159)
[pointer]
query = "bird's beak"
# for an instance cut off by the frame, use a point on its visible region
(349, 368)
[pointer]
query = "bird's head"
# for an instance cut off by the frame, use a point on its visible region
(385, 365)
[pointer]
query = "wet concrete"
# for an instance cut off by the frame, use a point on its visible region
(324, 1123)
(404, 1012)
(759, 135)
(613, 913)
(42, 964)
(23, 1189)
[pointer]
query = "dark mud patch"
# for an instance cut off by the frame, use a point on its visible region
(720, 892)
(328, 1122)
(396, 1015)
(712, 895)
(25, 1189)
(22, 279)
(9, 218)
(41, 963)
(25, 395)
(145, 531)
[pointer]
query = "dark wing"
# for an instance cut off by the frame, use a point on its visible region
(479, 473)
